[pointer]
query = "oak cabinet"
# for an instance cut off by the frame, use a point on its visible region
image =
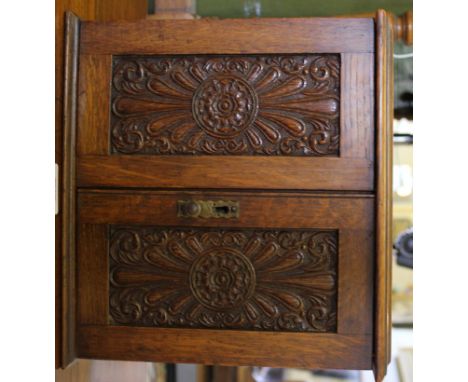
(227, 191)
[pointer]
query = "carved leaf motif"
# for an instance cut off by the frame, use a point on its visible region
(226, 105)
(229, 279)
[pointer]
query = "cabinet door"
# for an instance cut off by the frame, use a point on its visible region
(285, 281)
(259, 104)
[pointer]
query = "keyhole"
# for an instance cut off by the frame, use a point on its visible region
(224, 210)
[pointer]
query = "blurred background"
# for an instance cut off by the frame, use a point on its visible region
(400, 369)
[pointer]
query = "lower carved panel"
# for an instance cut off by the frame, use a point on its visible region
(273, 280)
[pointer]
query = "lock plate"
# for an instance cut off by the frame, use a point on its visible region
(208, 209)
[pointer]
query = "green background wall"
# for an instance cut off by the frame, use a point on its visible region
(296, 8)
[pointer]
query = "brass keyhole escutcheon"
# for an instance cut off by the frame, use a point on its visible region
(208, 209)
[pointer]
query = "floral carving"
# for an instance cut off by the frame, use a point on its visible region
(224, 106)
(226, 279)
(244, 105)
(222, 278)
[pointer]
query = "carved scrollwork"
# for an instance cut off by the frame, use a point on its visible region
(230, 105)
(238, 279)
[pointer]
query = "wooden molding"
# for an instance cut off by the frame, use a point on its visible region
(72, 31)
(403, 28)
(402, 25)
(384, 116)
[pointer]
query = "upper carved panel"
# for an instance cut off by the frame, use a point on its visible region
(245, 105)
(225, 279)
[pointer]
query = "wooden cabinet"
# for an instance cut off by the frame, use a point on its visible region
(227, 191)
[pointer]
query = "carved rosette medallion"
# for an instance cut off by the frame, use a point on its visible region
(222, 279)
(226, 105)
(274, 280)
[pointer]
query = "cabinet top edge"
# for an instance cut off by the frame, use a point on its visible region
(365, 21)
(272, 35)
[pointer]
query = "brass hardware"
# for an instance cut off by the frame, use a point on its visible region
(207, 209)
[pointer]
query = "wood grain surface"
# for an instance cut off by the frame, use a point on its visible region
(226, 172)
(210, 36)
(384, 102)
(211, 347)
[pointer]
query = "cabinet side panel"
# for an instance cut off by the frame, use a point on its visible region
(68, 189)
(384, 134)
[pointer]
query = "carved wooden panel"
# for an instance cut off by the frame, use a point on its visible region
(231, 279)
(226, 105)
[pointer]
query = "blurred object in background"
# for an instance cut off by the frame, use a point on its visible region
(403, 85)
(321, 375)
(404, 248)
(405, 364)
(252, 8)
(402, 276)
(299, 8)
(268, 374)
(171, 9)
